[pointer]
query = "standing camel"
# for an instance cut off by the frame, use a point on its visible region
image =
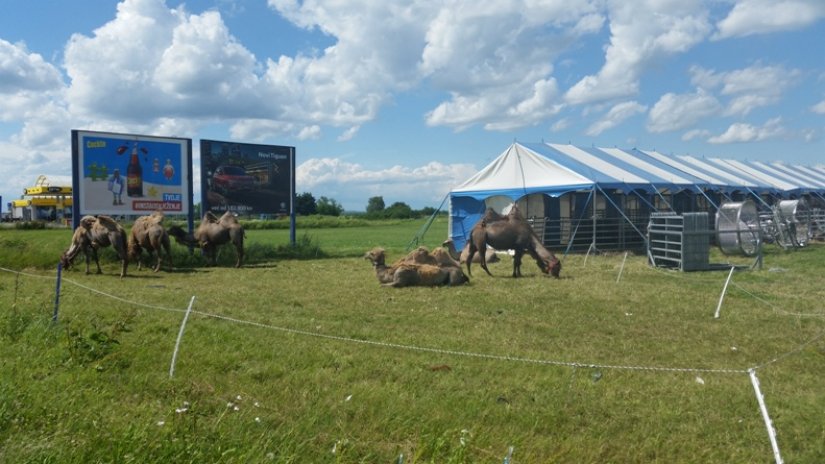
(148, 233)
(511, 232)
(212, 233)
(490, 256)
(94, 233)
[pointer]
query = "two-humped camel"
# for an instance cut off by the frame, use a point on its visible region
(418, 268)
(148, 234)
(94, 233)
(212, 233)
(490, 256)
(510, 232)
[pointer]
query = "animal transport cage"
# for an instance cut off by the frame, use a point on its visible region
(679, 240)
(793, 223)
(738, 230)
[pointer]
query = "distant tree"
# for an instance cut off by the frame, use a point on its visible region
(398, 210)
(329, 207)
(375, 205)
(426, 211)
(305, 204)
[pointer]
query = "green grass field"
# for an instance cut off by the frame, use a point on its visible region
(301, 357)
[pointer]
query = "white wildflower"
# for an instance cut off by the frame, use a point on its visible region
(238, 397)
(348, 398)
(257, 405)
(160, 423)
(257, 419)
(700, 380)
(236, 408)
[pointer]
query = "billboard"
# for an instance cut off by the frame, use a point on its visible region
(247, 179)
(119, 174)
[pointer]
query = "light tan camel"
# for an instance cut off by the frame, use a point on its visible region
(490, 256)
(92, 234)
(407, 274)
(212, 233)
(148, 234)
(511, 232)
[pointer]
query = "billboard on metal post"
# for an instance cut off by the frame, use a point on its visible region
(247, 179)
(119, 174)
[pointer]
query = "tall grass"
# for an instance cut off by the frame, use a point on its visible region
(304, 359)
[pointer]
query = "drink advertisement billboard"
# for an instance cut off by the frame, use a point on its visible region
(119, 174)
(247, 179)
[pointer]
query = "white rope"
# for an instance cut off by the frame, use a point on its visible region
(472, 354)
(574, 364)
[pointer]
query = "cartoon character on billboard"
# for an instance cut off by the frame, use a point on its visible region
(116, 187)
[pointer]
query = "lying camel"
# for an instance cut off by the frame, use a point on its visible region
(148, 233)
(410, 273)
(511, 232)
(490, 256)
(92, 234)
(212, 233)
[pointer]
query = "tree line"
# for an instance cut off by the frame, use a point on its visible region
(306, 204)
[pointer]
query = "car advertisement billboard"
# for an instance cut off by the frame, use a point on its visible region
(119, 174)
(247, 179)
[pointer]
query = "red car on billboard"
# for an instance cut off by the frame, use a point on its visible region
(232, 179)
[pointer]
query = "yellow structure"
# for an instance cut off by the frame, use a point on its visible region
(43, 202)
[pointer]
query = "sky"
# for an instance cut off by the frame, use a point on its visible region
(408, 99)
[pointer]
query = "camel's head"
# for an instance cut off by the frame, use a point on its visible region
(87, 222)
(376, 256)
(65, 261)
(181, 236)
(553, 267)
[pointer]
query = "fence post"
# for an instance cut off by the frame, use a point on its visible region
(771, 431)
(722, 296)
(180, 336)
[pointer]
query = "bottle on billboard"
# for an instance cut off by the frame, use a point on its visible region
(134, 175)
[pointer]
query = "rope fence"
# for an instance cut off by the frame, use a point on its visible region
(749, 371)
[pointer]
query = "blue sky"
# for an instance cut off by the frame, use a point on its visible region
(408, 99)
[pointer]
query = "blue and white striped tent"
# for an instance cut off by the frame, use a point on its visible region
(554, 171)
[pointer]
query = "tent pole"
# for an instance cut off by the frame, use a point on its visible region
(595, 198)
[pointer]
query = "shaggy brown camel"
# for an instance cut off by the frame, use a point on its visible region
(511, 232)
(410, 274)
(490, 256)
(148, 234)
(92, 234)
(421, 255)
(212, 233)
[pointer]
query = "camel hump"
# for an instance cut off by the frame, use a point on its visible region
(514, 212)
(228, 218)
(107, 221)
(156, 217)
(209, 217)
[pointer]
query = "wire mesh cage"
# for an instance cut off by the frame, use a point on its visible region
(738, 231)
(793, 221)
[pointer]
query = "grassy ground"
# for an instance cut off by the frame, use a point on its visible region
(302, 357)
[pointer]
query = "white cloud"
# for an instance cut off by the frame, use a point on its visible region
(674, 112)
(352, 184)
(742, 132)
(749, 88)
(748, 17)
(616, 116)
(819, 108)
(695, 134)
(641, 32)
